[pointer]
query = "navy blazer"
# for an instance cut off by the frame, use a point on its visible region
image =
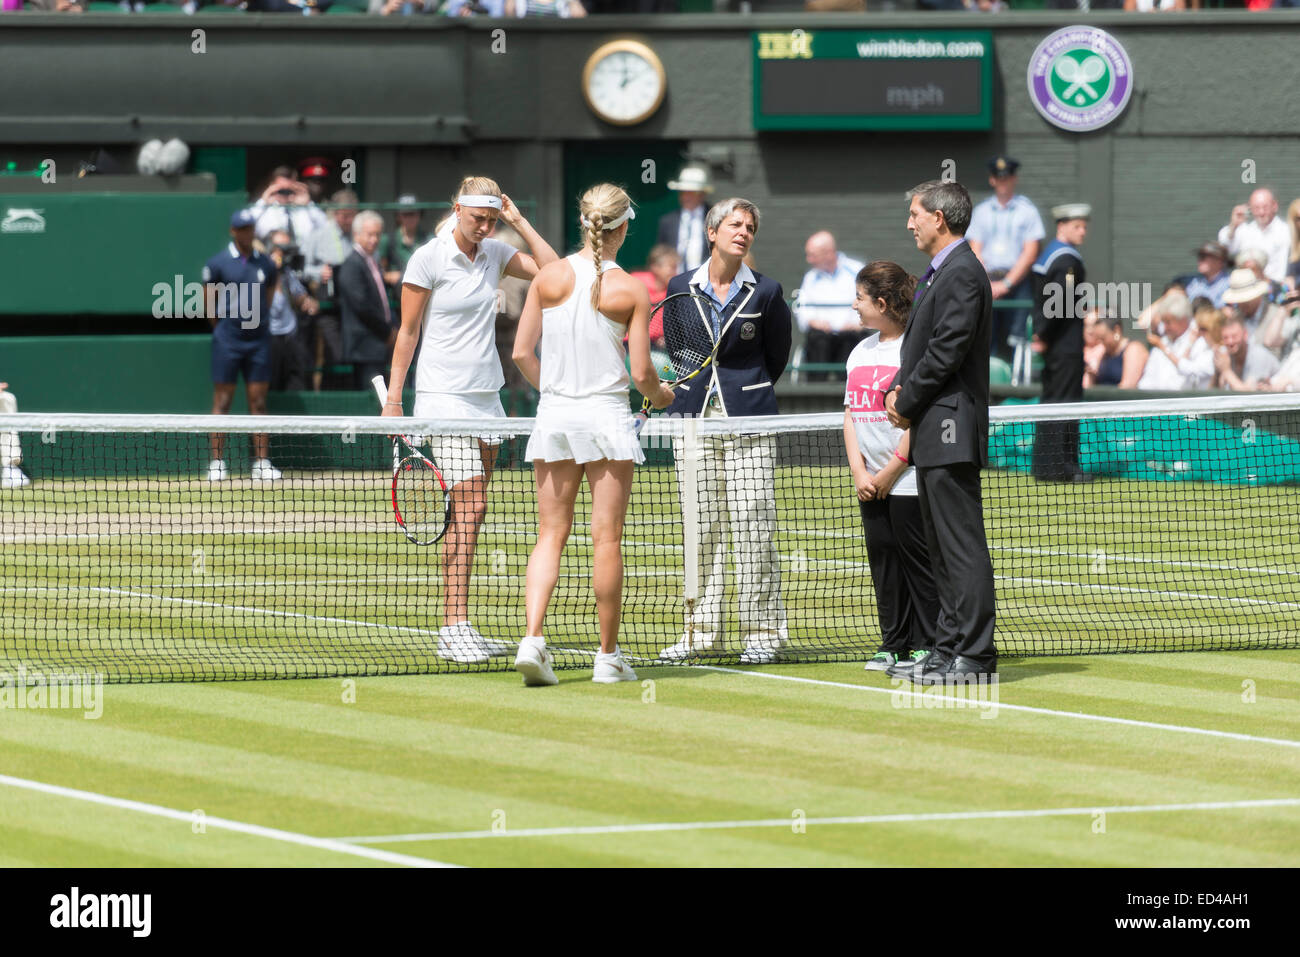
(945, 365)
(755, 348)
(365, 330)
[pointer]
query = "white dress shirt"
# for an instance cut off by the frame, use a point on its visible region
(1274, 239)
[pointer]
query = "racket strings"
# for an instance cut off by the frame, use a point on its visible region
(688, 334)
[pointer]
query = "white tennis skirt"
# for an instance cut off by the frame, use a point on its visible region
(594, 429)
(458, 456)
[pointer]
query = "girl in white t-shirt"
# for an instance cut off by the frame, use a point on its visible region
(580, 309)
(907, 600)
(449, 296)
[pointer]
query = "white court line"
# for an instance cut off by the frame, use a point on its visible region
(1029, 709)
(785, 822)
(225, 824)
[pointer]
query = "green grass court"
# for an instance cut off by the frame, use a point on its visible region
(715, 765)
(434, 757)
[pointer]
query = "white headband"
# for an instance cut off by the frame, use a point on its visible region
(468, 200)
(629, 213)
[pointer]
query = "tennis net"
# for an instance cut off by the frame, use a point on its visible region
(121, 558)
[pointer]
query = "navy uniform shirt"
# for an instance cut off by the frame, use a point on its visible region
(244, 304)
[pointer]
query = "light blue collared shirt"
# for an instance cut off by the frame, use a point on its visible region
(943, 254)
(828, 296)
(1003, 231)
(700, 280)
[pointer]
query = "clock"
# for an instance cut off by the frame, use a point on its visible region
(624, 82)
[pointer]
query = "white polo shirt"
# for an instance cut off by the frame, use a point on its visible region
(458, 350)
(1275, 240)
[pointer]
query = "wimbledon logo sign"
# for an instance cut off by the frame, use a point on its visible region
(1080, 78)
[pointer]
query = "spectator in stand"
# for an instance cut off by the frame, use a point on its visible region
(315, 173)
(1256, 226)
(406, 8)
(367, 321)
(1293, 265)
(683, 229)
(1256, 260)
(239, 284)
(1093, 348)
(11, 452)
(397, 247)
(661, 265)
(1247, 298)
(324, 251)
(56, 6)
(1239, 364)
(545, 8)
(287, 204)
(1151, 6)
(1176, 347)
(831, 326)
(1121, 360)
(1006, 233)
(1279, 333)
(1211, 280)
(290, 357)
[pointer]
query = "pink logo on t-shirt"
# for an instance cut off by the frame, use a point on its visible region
(866, 387)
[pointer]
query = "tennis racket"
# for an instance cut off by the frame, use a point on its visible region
(421, 499)
(688, 337)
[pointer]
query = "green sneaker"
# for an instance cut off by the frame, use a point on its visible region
(905, 666)
(881, 661)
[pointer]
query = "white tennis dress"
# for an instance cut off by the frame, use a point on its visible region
(583, 414)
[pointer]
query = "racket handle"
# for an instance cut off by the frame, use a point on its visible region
(381, 390)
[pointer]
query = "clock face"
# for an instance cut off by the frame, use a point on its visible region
(624, 83)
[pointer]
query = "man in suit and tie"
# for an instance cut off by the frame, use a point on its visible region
(368, 329)
(737, 473)
(684, 229)
(941, 394)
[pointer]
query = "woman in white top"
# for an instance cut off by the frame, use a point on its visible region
(580, 309)
(449, 291)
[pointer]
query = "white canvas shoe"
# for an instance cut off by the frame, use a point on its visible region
(700, 643)
(534, 662)
(14, 477)
(217, 471)
(493, 646)
(612, 668)
(456, 643)
(264, 471)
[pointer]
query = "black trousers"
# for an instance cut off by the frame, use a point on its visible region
(290, 362)
(829, 347)
(952, 506)
(1056, 444)
(906, 598)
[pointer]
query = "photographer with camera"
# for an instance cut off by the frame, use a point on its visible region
(325, 250)
(290, 356)
(287, 204)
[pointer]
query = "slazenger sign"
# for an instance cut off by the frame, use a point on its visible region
(22, 221)
(1080, 78)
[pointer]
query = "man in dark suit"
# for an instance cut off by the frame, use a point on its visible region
(685, 228)
(736, 479)
(941, 394)
(368, 329)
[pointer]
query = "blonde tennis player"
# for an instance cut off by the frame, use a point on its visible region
(581, 308)
(450, 291)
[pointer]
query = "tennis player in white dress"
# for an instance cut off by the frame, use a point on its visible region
(580, 309)
(449, 296)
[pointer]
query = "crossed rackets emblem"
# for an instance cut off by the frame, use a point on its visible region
(1080, 74)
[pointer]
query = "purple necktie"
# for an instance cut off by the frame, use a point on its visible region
(920, 286)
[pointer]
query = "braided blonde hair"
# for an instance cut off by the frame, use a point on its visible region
(599, 205)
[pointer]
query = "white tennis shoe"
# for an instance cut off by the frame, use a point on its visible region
(457, 643)
(700, 643)
(217, 471)
(493, 646)
(264, 471)
(612, 668)
(14, 477)
(534, 662)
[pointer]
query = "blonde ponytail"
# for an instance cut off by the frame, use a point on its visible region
(600, 205)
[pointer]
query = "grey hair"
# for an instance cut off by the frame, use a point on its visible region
(951, 199)
(728, 206)
(365, 218)
(1175, 305)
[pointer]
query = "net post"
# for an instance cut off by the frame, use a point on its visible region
(690, 522)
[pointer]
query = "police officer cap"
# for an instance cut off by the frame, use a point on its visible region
(242, 218)
(1003, 165)
(1071, 211)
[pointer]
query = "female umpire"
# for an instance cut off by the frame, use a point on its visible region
(737, 473)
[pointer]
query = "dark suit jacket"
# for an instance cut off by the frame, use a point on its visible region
(671, 223)
(753, 355)
(365, 330)
(945, 365)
